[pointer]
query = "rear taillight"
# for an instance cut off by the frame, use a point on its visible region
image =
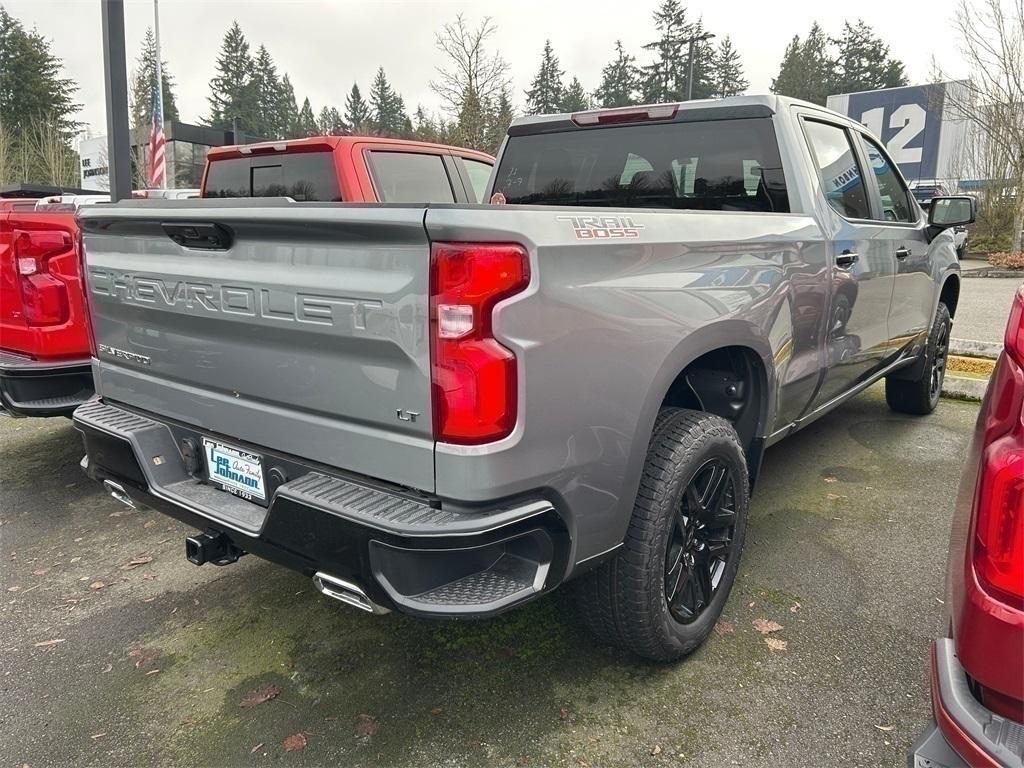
(642, 114)
(44, 296)
(999, 522)
(473, 377)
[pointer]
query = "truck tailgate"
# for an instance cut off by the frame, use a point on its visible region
(305, 333)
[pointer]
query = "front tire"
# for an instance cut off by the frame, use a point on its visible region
(663, 591)
(920, 396)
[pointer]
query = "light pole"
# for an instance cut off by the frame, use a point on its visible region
(115, 86)
(689, 78)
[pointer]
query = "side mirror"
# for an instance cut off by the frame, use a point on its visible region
(946, 212)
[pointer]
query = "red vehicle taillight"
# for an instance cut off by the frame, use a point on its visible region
(999, 524)
(44, 296)
(473, 377)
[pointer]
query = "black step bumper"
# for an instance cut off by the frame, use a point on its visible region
(43, 388)
(407, 551)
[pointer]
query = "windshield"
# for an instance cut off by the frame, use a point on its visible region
(720, 165)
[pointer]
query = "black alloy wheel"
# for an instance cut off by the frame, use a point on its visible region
(701, 540)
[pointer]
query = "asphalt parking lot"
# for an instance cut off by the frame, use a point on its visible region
(114, 651)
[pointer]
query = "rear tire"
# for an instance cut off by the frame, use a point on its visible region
(920, 396)
(663, 591)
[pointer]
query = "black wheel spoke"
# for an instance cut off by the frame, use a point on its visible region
(700, 541)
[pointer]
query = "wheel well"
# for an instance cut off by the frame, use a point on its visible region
(950, 294)
(729, 382)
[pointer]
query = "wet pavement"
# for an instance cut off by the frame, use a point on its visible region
(114, 651)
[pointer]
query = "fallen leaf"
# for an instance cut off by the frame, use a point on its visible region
(436, 711)
(13, 589)
(256, 749)
(766, 626)
(144, 657)
(152, 672)
(835, 497)
(794, 608)
(48, 643)
(751, 605)
(885, 728)
(136, 561)
(97, 585)
(366, 726)
(295, 742)
(724, 628)
(98, 735)
(108, 668)
(40, 571)
(150, 524)
(775, 644)
(656, 750)
(260, 695)
(563, 713)
(831, 479)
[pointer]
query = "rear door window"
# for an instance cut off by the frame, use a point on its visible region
(713, 165)
(302, 176)
(838, 169)
(895, 198)
(479, 174)
(406, 177)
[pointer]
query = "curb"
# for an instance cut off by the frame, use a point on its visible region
(972, 348)
(990, 272)
(957, 388)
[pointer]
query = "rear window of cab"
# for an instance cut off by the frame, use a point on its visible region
(713, 165)
(302, 176)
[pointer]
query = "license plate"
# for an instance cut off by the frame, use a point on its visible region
(236, 471)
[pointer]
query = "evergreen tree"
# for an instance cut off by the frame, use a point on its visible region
(727, 72)
(704, 55)
(272, 118)
(31, 86)
(546, 91)
(807, 70)
(143, 79)
(232, 91)
(471, 124)
(425, 128)
(665, 78)
(619, 80)
(357, 113)
(289, 110)
(501, 118)
(330, 123)
(387, 108)
(575, 98)
(306, 125)
(865, 63)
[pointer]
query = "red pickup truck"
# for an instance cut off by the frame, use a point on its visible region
(44, 343)
(351, 169)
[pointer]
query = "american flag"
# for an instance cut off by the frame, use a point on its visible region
(157, 163)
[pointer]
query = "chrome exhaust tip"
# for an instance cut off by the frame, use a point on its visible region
(347, 592)
(118, 492)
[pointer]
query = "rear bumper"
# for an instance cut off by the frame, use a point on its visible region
(405, 550)
(963, 732)
(43, 388)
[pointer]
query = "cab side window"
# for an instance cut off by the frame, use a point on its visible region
(841, 177)
(895, 203)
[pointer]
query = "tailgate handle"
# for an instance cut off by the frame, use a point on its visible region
(201, 235)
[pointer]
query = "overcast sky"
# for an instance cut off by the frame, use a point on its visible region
(326, 45)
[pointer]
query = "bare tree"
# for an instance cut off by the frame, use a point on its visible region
(6, 155)
(55, 161)
(471, 71)
(991, 34)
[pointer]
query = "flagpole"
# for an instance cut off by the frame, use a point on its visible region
(159, 77)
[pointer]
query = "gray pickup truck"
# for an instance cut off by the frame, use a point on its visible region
(449, 410)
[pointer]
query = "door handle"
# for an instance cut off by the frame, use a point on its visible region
(846, 259)
(902, 253)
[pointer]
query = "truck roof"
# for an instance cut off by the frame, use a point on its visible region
(759, 105)
(333, 143)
